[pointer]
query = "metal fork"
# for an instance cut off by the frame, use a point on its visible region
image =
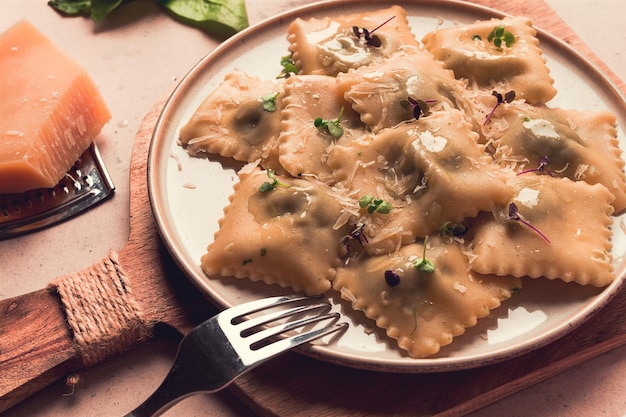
(234, 341)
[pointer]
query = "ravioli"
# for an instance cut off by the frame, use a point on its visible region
(521, 67)
(380, 93)
(574, 217)
(303, 146)
(232, 122)
(431, 170)
(282, 236)
(579, 145)
(423, 311)
(330, 46)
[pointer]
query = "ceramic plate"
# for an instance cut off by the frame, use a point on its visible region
(188, 196)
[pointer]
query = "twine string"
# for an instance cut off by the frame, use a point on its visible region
(101, 310)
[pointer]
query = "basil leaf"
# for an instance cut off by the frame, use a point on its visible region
(71, 7)
(101, 8)
(230, 13)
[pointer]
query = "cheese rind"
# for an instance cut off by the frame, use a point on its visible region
(50, 112)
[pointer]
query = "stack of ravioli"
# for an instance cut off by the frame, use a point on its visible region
(304, 212)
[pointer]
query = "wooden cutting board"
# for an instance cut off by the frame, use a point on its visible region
(31, 358)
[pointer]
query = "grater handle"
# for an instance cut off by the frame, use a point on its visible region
(36, 345)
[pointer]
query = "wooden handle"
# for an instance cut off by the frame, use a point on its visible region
(36, 345)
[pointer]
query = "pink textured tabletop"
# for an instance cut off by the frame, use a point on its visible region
(136, 59)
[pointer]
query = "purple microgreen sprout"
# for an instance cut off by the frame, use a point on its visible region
(377, 205)
(392, 278)
(507, 98)
(289, 67)
(332, 126)
(371, 40)
(356, 234)
(515, 215)
(499, 35)
(269, 186)
(420, 107)
(542, 168)
(423, 264)
(269, 102)
(453, 229)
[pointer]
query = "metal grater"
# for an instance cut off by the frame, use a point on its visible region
(86, 183)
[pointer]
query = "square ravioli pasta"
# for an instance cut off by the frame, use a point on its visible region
(304, 146)
(430, 170)
(579, 145)
(472, 54)
(331, 45)
(279, 233)
(380, 93)
(422, 311)
(553, 228)
(235, 121)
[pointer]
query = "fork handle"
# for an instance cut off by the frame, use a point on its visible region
(36, 345)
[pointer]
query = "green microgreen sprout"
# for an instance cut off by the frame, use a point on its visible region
(269, 102)
(332, 126)
(414, 321)
(392, 278)
(371, 40)
(500, 99)
(377, 205)
(515, 215)
(423, 264)
(453, 229)
(477, 38)
(263, 251)
(542, 168)
(269, 186)
(499, 35)
(289, 67)
(420, 107)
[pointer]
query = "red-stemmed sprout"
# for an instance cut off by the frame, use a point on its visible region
(371, 40)
(515, 215)
(542, 168)
(507, 98)
(356, 236)
(420, 107)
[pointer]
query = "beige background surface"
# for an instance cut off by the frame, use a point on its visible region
(136, 58)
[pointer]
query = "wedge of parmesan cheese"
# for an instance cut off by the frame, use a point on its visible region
(50, 110)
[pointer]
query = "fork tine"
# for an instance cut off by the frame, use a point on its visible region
(263, 304)
(249, 326)
(278, 329)
(277, 347)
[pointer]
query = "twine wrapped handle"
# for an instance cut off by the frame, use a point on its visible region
(101, 310)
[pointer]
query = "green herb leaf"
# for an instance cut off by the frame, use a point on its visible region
(499, 35)
(222, 17)
(289, 67)
(230, 13)
(71, 7)
(269, 102)
(332, 126)
(423, 264)
(270, 186)
(375, 204)
(101, 8)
